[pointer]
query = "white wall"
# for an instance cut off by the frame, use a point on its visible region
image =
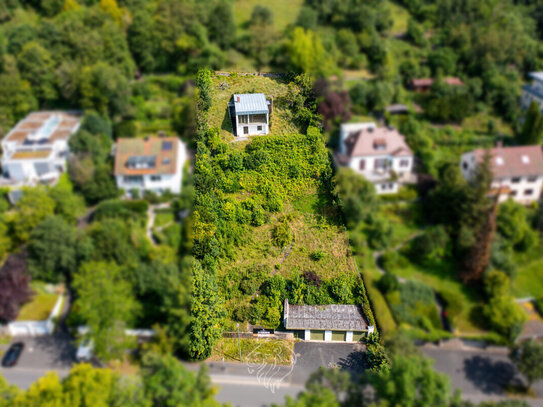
(253, 128)
(468, 166)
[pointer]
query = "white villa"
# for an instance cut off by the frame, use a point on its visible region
(380, 154)
(36, 149)
(150, 164)
(250, 114)
(518, 171)
(533, 92)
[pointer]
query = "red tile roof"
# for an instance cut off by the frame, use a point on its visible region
(165, 158)
(514, 161)
(364, 142)
(427, 82)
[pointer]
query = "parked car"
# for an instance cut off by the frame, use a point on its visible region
(12, 355)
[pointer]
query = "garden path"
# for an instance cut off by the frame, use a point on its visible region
(151, 219)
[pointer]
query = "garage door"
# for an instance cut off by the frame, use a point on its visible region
(338, 336)
(317, 335)
(357, 336)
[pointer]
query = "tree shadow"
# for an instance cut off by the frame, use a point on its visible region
(354, 363)
(60, 348)
(488, 376)
(226, 123)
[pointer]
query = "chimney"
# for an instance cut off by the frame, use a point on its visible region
(237, 99)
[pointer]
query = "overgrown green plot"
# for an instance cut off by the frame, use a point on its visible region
(529, 274)
(224, 87)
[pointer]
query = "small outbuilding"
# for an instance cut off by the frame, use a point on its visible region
(334, 322)
(250, 114)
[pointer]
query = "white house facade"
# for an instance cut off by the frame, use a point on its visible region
(533, 92)
(36, 149)
(380, 154)
(250, 114)
(517, 171)
(150, 164)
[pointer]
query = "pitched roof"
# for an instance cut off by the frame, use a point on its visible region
(538, 76)
(377, 141)
(326, 317)
(43, 128)
(514, 161)
(453, 81)
(250, 103)
(150, 155)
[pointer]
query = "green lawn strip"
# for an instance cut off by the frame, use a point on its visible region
(261, 350)
(285, 12)
(223, 87)
(529, 276)
(41, 305)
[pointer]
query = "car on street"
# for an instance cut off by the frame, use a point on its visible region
(12, 355)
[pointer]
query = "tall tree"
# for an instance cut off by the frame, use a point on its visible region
(356, 195)
(528, 357)
(34, 206)
(14, 287)
(532, 129)
(221, 25)
(106, 303)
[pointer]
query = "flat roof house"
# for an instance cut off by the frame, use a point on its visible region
(517, 171)
(380, 154)
(150, 164)
(533, 92)
(36, 149)
(342, 323)
(250, 114)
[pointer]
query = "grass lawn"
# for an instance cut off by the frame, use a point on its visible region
(41, 305)
(262, 350)
(405, 220)
(313, 231)
(281, 120)
(163, 217)
(400, 17)
(285, 12)
(479, 123)
(529, 279)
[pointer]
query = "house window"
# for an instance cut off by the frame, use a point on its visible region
(532, 179)
(156, 178)
(362, 165)
(465, 165)
(257, 118)
(513, 193)
(528, 192)
(404, 163)
(243, 118)
(132, 179)
(380, 163)
(383, 187)
(259, 128)
(515, 180)
(390, 186)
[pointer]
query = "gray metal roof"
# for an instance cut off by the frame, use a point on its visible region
(250, 103)
(538, 76)
(325, 317)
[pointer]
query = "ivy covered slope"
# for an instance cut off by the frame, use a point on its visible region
(268, 225)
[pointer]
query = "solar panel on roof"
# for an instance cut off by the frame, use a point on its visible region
(167, 145)
(147, 161)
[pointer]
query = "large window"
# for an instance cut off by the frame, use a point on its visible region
(257, 118)
(243, 118)
(404, 163)
(515, 180)
(380, 163)
(156, 178)
(133, 179)
(362, 165)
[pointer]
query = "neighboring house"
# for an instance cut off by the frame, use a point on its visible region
(250, 114)
(518, 171)
(36, 149)
(150, 164)
(341, 323)
(424, 84)
(380, 154)
(534, 92)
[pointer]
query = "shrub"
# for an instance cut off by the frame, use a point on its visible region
(317, 255)
(282, 234)
(388, 283)
(117, 209)
(379, 233)
(453, 305)
(504, 316)
(430, 245)
(496, 283)
(312, 278)
(14, 288)
(392, 260)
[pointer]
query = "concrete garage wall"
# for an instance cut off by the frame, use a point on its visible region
(36, 328)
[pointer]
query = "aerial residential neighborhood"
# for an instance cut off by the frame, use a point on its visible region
(255, 203)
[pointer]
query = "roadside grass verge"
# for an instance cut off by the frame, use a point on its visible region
(258, 350)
